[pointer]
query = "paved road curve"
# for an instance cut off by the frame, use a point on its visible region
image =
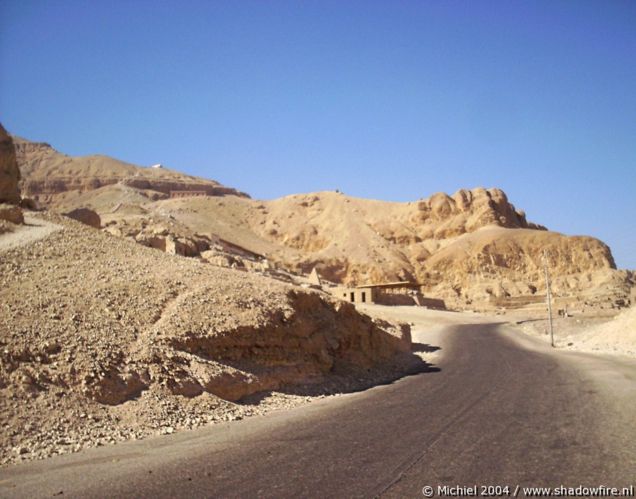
(500, 412)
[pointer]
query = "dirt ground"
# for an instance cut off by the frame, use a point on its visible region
(600, 332)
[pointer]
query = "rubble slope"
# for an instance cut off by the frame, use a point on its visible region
(99, 336)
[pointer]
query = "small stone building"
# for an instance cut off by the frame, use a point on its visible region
(355, 295)
(391, 293)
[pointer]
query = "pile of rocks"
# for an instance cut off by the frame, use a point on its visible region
(103, 339)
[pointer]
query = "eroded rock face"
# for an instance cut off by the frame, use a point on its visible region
(313, 338)
(9, 171)
(493, 264)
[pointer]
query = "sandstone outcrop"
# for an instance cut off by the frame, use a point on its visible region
(494, 263)
(9, 171)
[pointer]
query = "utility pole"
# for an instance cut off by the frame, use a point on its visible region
(548, 296)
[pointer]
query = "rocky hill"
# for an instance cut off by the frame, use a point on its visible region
(49, 176)
(102, 339)
(10, 198)
(9, 171)
(474, 249)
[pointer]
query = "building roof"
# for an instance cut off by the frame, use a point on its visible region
(397, 284)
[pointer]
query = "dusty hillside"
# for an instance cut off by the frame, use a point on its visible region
(102, 339)
(473, 249)
(473, 254)
(52, 177)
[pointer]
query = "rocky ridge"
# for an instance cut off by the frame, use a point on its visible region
(10, 213)
(473, 249)
(47, 174)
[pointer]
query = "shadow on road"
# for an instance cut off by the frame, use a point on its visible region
(344, 379)
(424, 347)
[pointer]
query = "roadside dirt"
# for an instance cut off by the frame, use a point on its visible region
(595, 333)
(34, 229)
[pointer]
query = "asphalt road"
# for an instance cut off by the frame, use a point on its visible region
(500, 411)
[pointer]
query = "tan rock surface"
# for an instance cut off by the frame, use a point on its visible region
(9, 171)
(49, 176)
(102, 339)
(473, 249)
(465, 253)
(11, 213)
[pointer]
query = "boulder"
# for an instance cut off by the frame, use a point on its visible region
(86, 216)
(11, 213)
(29, 204)
(9, 171)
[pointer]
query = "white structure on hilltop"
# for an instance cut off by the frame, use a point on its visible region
(158, 165)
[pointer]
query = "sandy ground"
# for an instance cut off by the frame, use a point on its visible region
(594, 334)
(600, 333)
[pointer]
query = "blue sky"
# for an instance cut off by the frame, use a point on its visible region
(388, 100)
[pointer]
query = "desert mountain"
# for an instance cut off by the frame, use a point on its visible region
(49, 174)
(473, 249)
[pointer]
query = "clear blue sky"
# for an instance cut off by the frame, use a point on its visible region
(389, 100)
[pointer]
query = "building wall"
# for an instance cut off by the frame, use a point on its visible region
(386, 296)
(391, 298)
(355, 295)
